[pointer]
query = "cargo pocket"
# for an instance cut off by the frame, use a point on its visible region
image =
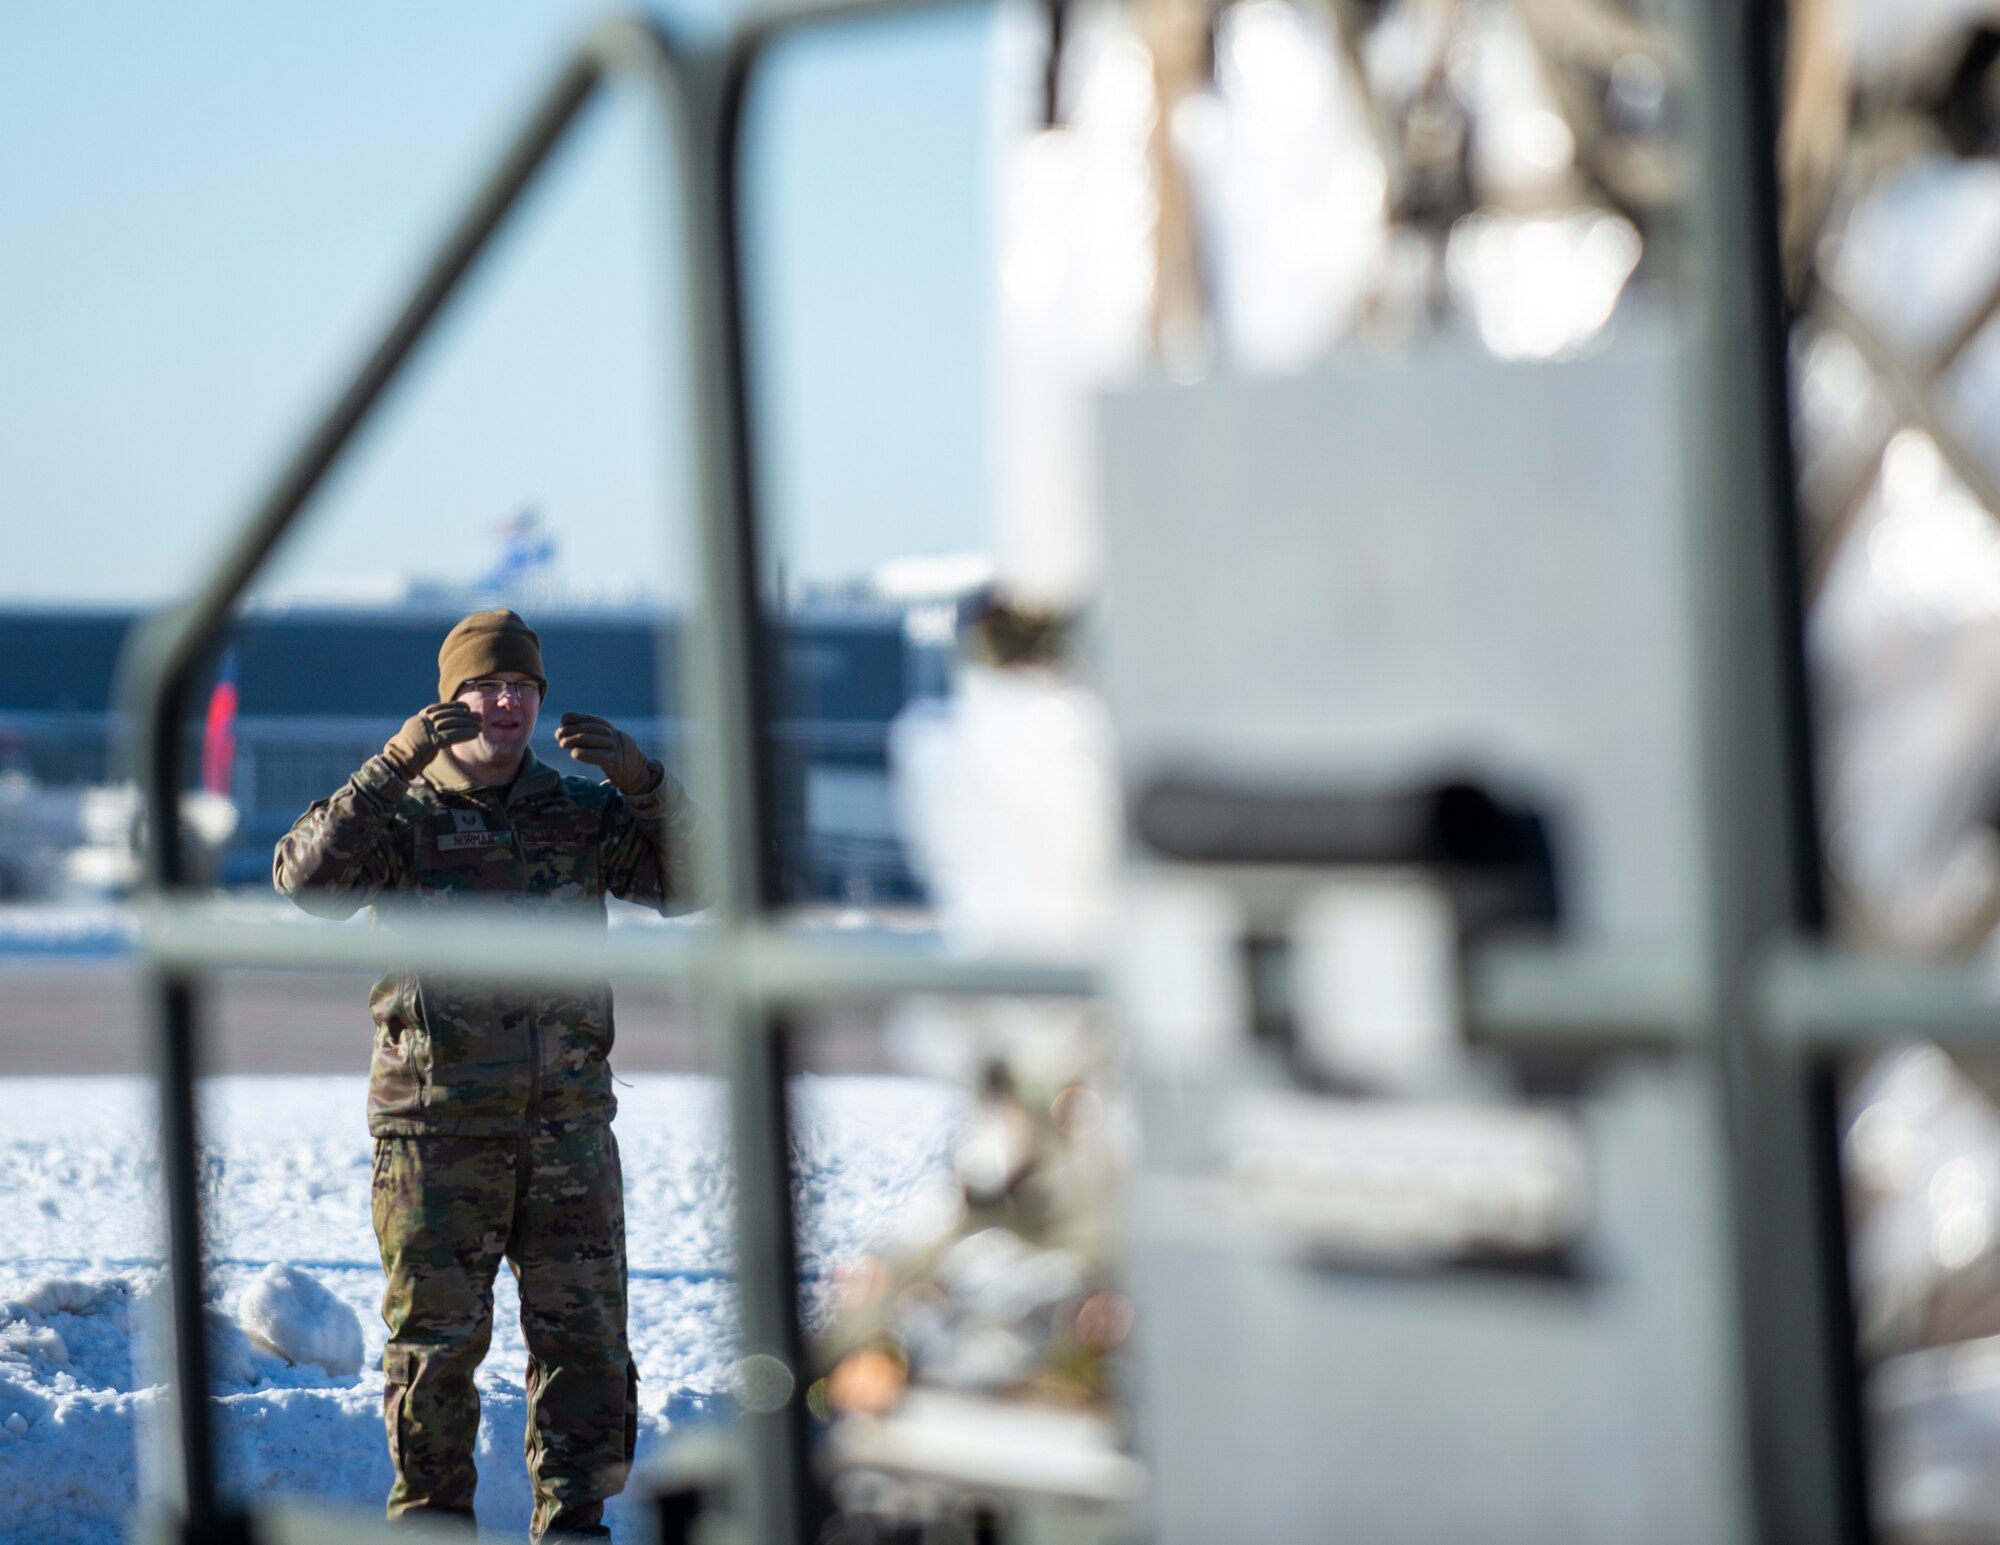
(399, 1371)
(420, 1062)
(392, 1074)
(430, 1415)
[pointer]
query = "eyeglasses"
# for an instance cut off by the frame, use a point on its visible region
(493, 690)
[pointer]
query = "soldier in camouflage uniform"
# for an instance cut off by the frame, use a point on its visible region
(491, 1109)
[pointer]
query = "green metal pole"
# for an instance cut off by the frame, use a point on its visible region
(1794, 1320)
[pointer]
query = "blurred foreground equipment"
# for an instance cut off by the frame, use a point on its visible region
(1372, 1225)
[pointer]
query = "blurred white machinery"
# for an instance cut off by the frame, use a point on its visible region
(1405, 660)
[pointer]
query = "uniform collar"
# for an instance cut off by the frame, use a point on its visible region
(535, 777)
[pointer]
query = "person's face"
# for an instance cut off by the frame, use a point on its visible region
(506, 702)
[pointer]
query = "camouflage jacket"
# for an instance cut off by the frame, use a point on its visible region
(453, 1057)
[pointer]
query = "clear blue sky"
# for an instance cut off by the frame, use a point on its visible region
(209, 210)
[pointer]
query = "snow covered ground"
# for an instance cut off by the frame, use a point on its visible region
(287, 1173)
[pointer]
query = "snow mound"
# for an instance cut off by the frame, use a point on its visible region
(231, 1363)
(21, 1341)
(56, 1295)
(286, 1312)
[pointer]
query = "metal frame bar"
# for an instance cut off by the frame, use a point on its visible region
(747, 973)
(757, 962)
(1795, 1318)
(1820, 1004)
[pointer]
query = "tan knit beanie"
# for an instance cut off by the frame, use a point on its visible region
(487, 642)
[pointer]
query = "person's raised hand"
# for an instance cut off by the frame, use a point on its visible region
(601, 743)
(427, 732)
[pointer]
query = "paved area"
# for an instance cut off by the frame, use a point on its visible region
(85, 1016)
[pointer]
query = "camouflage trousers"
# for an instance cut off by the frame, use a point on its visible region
(447, 1210)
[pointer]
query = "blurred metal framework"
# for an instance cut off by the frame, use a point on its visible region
(1848, 124)
(1773, 1014)
(1837, 138)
